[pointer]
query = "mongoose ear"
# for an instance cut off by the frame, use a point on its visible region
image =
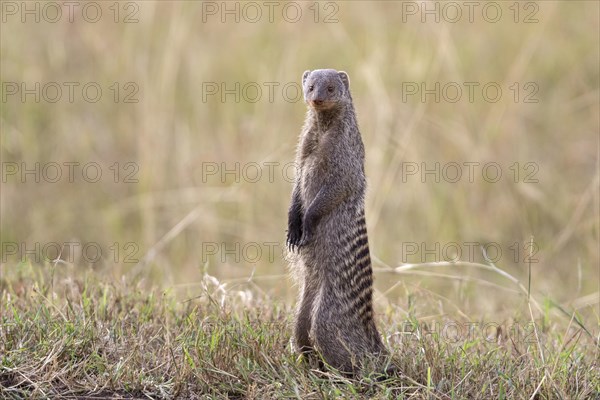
(305, 75)
(345, 79)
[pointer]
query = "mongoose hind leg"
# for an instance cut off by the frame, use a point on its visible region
(346, 347)
(303, 322)
(338, 344)
(336, 353)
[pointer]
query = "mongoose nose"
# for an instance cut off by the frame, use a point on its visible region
(318, 102)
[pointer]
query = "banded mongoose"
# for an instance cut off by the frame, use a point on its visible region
(327, 227)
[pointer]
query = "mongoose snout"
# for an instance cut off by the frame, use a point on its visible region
(316, 103)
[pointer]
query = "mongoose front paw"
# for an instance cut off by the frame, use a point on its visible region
(307, 237)
(294, 237)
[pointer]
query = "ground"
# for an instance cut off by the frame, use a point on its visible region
(86, 337)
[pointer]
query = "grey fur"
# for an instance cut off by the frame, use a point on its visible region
(326, 226)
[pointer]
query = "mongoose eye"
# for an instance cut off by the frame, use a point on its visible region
(310, 88)
(330, 89)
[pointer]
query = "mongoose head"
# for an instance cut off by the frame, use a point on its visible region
(325, 89)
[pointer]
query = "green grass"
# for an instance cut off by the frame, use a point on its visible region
(70, 337)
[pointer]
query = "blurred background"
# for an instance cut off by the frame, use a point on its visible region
(154, 139)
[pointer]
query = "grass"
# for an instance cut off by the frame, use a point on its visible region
(90, 338)
(518, 319)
